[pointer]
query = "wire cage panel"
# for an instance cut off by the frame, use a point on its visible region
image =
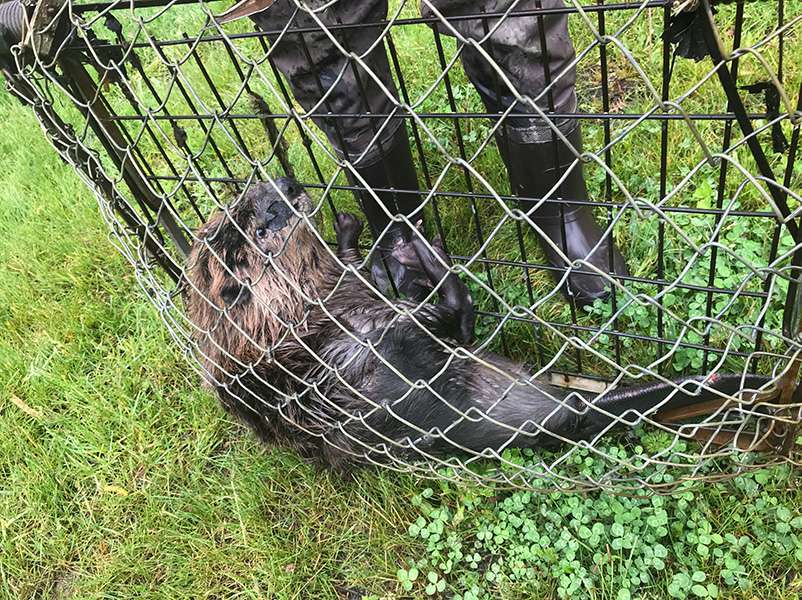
(690, 124)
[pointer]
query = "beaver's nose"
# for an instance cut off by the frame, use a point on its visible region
(290, 188)
(276, 216)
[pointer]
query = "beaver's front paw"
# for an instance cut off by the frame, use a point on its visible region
(348, 228)
(411, 253)
(404, 253)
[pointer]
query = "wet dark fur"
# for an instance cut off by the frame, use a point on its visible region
(261, 337)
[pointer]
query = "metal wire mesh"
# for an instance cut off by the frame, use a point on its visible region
(171, 117)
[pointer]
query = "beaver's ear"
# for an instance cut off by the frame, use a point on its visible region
(210, 225)
(221, 234)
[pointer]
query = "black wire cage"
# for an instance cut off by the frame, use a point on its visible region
(690, 115)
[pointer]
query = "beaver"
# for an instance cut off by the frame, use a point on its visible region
(299, 345)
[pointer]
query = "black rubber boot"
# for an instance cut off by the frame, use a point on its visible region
(12, 22)
(533, 170)
(394, 171)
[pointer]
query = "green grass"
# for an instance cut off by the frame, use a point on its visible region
(122, 479)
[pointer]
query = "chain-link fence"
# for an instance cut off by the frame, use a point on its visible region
(561, 202)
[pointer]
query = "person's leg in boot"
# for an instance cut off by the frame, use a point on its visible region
(321, 75)
(393, 179)
(534, 170)
(535, 157)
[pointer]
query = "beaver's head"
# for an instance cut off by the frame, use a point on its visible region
(263, 219)
(257, 260)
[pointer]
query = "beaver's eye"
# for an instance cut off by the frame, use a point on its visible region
(261, 232)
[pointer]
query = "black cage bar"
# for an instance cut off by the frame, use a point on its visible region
(692, 165)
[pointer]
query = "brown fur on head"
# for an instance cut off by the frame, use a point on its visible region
(249, 270)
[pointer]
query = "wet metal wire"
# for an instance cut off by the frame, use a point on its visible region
(693, 169)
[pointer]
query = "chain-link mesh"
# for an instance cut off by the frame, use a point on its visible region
(690, 123)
